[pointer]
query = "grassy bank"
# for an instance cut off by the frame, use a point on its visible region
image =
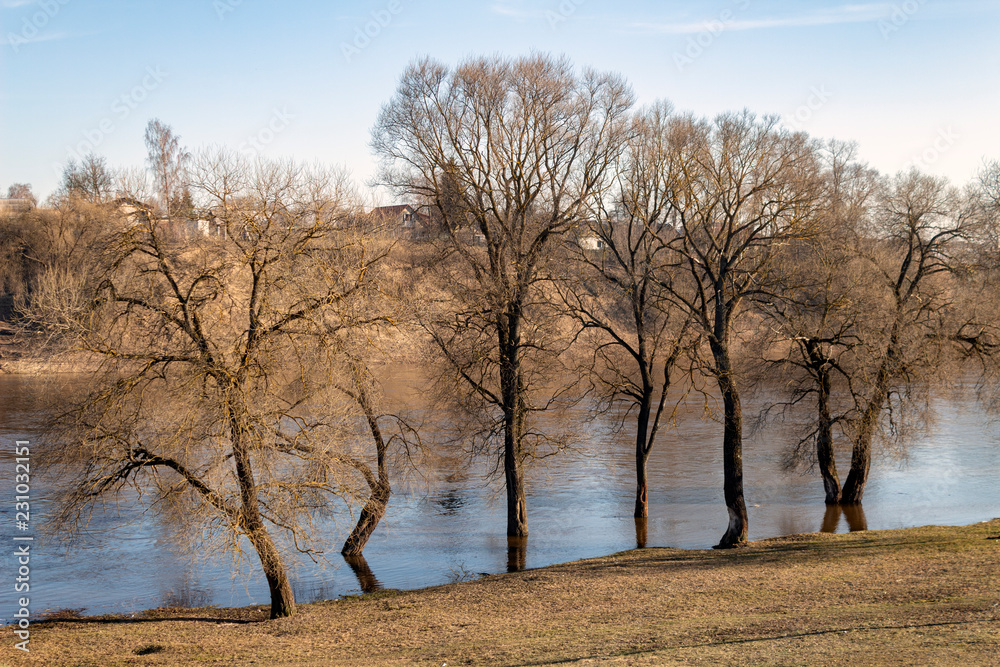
(917, 596)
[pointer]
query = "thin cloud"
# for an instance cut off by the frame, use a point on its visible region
(834, 16)
(17, 40)
(13, 4)
(518, 13)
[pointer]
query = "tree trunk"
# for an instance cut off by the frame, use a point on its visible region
(371, 514)
(513, 429)
(282, 597)
(378, 501)
(861, 456)
(642, 458)
(517, 507)
(732, 450)
(825, 456)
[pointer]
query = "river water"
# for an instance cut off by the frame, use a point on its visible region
(448, 523)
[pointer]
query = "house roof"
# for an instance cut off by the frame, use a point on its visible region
(393, 210)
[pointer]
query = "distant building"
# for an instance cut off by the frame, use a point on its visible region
(15, 206)
(591, 243)
(403, 220)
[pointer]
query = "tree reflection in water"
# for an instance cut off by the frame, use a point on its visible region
(517, 553)
(641, 531)
(366, 578)
(854, 514)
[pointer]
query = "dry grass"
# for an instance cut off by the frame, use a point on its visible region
(918, 596)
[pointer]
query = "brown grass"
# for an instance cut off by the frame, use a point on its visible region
(918, 596)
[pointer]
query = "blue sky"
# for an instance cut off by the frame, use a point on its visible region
(913, 81)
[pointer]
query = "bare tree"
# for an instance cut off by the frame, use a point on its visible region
(90, 180)
(167, 161)
(744, 187)
(22, 191)
(918, 226)
(821, 308)
(230, 364)
(513, 149)
(619, 291)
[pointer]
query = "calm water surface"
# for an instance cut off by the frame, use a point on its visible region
(450, 524)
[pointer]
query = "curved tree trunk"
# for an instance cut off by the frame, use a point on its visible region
(282, 597)
(378, 501)
(371, 514)
(861, 457)
(732, 451)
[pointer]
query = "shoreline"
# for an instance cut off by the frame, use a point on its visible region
(931, 594)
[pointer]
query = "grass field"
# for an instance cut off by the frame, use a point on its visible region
(921, 596)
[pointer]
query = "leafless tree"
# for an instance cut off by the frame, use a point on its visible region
(167, 161)
(22, 191)
(233, 365)
(617, 290)
(744, 187)
(90, 180)
(509, 152)
(911, 248)
(820, 311)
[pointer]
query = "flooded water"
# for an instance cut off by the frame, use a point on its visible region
(449, 524)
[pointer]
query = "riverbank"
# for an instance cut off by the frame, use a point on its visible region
(914, 596)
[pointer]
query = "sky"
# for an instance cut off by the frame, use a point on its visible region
(913, 82)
